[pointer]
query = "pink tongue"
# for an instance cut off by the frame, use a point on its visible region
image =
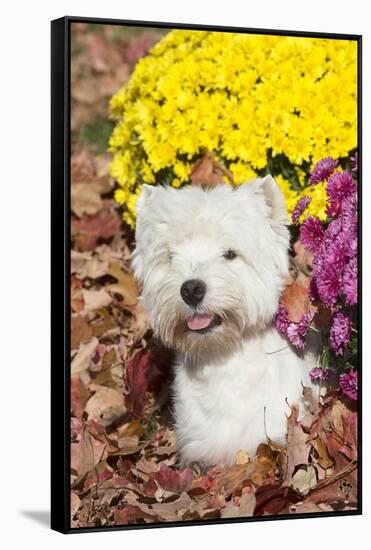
(198, 322)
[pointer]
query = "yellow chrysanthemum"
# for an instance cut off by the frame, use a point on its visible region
(252, 99)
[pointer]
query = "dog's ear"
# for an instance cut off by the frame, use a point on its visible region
(274, 199)
(144, 198)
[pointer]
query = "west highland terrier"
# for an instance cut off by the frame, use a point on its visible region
(213, 264)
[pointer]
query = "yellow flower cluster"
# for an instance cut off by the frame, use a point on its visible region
(240, 96)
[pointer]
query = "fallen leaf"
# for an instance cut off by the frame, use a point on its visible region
(297, 445)
(272, 500)
(295, 300)
(96, 299)
(242, 457)
(245, 508)
(102, 399)
(85, 199)
(229, 480)
(209, 172)
(137, 380)
(86, 231)
(173, 480)
(304, 480)
(81, 361)
(87, 453)
(126, 285)
(323, 458)
(80, 330)
(85, 264)
(75, 503)
(79, 395)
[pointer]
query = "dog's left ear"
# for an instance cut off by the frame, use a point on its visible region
(274, 199)
(145, 197)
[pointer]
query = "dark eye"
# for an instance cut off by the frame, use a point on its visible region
(230, 254)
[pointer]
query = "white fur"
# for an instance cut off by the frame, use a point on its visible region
(231, 385)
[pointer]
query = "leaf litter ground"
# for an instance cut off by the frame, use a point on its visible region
(124, 466)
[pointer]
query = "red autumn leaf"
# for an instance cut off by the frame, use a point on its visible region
(149, 488)
(89, 229)
(129, 514)
(146, 372)
(271, 500)
(137, 380)
(173, 480)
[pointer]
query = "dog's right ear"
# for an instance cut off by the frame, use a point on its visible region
(144, 198)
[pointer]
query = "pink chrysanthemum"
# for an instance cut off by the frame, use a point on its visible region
(340, 332)
(297, 331)
(281, 320)
(318, 374)
(339, 186)
(300, 207)
(323, 170)
(311, 234)
(348, 383)
(350, 282)
(328, 283)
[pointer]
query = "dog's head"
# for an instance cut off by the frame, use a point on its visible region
(212, 262)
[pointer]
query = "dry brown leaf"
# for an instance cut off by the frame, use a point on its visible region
(296, 301)
(75, 503)
(244, 509)
(81, 331)
(297, 445)
(85, 199)
(304, 479)
(87, 453)
(242, 457)
(126, 285)
(81, 361)
(79, 395)
(209, 172)
(82, 167)
(323, 458)
(96, 299)
(104, 398)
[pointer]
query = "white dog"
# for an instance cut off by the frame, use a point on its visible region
(213, 264)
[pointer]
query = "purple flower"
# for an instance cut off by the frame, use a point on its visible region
(311, 234)
(297, 331)
(348, 383)
(350, 282)
(348, 214)
(328, 282)
(354, 163)
(300, 207)
(339, 186)
(340, 332)
(323, 170)
(333, 229)
(335, 253)
(281, 320)
(318, 374)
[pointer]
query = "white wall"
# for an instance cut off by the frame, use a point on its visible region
(25, 196)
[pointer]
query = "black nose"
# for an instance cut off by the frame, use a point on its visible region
(193, 291)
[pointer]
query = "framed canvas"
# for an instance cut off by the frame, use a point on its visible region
(206, 318)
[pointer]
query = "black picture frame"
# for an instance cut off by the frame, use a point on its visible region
(60, 267)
